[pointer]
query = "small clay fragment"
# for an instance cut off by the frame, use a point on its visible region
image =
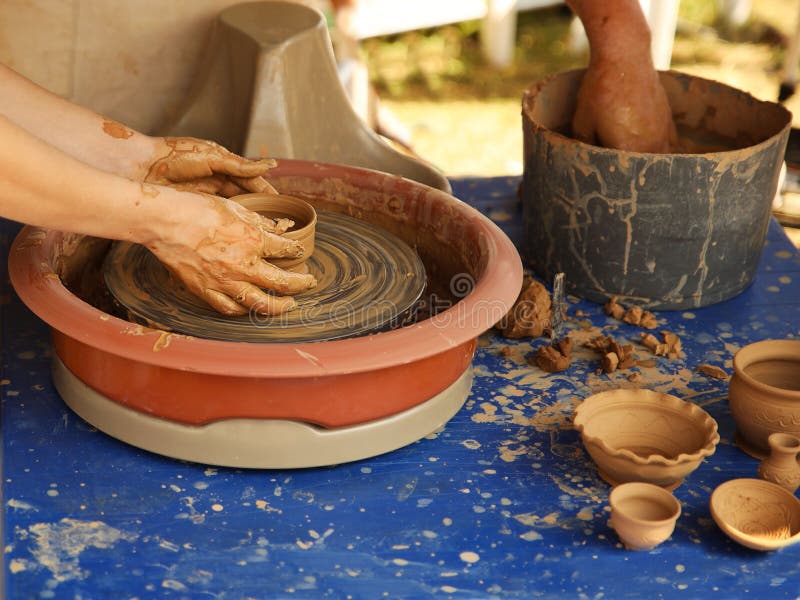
(711, 371)
(613, 355)
(531, 314)
(635, 377)
(609, 362)
(506, 351)
(669, 347)
(613, 309)
(673, 343)
(553, 359)
(634, 315)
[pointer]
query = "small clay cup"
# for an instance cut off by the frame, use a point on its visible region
(643, 514)
(756, 513)
(764, 393)
(642, 435)
(286, 207)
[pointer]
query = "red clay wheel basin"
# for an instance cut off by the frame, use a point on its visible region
(189, 381)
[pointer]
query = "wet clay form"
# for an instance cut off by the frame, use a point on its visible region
(286, 207)
(269, 86)
(368, 280)
(664, 231)
(643, 514)
(641, 435)
(229, 403)
(764, 393)
(553, 358)
(781, 465)
(755, 513)
(531, 315)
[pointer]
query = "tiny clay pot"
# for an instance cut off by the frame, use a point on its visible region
(279, 206)
(757, 514)
(643, 514)
(764, 393)
(781, 465)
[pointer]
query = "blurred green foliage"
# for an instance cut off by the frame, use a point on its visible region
(446, 62)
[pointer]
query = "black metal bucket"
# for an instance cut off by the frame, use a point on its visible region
(665, 231)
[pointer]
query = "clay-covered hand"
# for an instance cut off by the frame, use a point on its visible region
(203, 166)
(221, 259)
(623, 106)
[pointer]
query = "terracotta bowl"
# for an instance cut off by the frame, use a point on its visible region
(641, 435)
(286, 207)
(764, 393)
(334, 383)
(755, 513)
(643, 514)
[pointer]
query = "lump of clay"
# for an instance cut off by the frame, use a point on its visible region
(669, 346)
(553, 359)
(711, 371)
(531, 314)
(613, 355)
(634, 315)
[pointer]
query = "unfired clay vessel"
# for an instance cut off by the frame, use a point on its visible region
(642, 435)
(755, 513)
(764, 393)
(286, 207)
(643, 514)
(781, 465)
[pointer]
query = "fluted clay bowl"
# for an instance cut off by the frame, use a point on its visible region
(643, 514)
(286, 207)
(194, 381)
(756, 513)
(764, 393)
(642, 435)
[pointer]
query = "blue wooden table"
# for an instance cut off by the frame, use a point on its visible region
(501, 503)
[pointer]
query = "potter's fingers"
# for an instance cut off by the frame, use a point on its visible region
(222, 303)
(255, 184)
(228, 189)
(276, 246)
(232, 164)
(259, 301)
(277, 226)
(271, 277)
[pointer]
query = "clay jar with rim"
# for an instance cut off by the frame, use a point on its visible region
(781, 465)
(643, 514)
(642, 435)
(764, 393)
(280, 206)
(757, 514)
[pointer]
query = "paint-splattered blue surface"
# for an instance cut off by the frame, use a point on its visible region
(501, 503)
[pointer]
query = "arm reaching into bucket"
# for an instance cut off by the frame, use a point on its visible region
(621, 102)
(187, 163)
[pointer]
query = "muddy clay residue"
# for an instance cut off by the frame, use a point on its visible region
(554, 359)
(531, 314)
(116, 130)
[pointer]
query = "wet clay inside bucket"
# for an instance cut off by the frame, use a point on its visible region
(666, 231)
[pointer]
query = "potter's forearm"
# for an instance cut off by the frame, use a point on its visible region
(41, 185)
(73, 129)
(617, 29)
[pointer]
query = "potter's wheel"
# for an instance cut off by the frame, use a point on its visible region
(368, 281)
